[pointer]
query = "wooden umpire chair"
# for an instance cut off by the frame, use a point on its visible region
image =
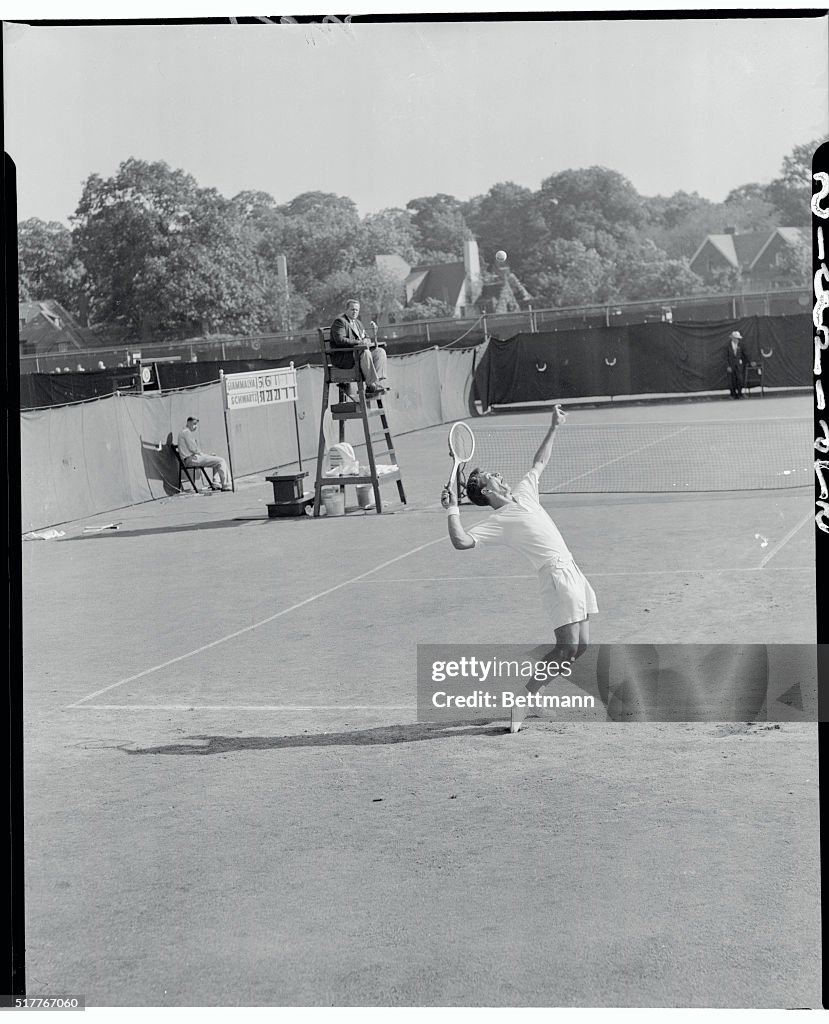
(191, 472)
(753, 377)
(348, 408)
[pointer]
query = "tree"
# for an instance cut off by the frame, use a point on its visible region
(576, 204)
(121, 224)
(564, 272)
(429, 309)
(162, 253)
(377, 291)
(752, 191)
(441, 228)
(254, 207)
(319, 235)
(791, 193)
(289, 308)
(670, 212)
(210, 276)
(584, 222)
(794, 264)
(47, 266)
(680, 224)
(647, 273)
(389, 232)
(506, 218)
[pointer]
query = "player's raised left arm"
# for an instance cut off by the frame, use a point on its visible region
(542, 456)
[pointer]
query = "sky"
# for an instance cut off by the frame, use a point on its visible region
(386, 113)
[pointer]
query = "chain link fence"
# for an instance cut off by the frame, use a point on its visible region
(414, 335)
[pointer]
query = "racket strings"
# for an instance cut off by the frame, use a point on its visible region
(464, 449)
(461, 482)
(461, 442)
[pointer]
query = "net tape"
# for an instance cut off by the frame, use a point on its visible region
(714, 455)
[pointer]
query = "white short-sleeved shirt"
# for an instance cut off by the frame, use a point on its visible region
(525, 526)
(188, 444)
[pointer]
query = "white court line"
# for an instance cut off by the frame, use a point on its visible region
(786, 539)
(591, 574)
(245, 707)
(256, 625)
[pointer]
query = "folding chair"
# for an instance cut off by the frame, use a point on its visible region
(191, 472)
(753, 377)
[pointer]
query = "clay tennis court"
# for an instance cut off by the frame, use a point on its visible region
(229, 798)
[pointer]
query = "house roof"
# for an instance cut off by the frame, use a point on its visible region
(45, 317)
(791, 236)
(724, 244)
(743, 250)
(28, 310)
(749, 245)
(442, 281)
(49, 308)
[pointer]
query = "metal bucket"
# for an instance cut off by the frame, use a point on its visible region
(334, 501)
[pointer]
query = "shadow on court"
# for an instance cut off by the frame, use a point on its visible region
(358, 738)
(222, 524)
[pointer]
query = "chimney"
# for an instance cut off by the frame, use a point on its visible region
(471, 262)
(731, 230)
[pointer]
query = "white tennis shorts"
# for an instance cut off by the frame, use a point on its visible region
(565, 594)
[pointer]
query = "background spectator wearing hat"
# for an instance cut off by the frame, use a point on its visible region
(737, 360)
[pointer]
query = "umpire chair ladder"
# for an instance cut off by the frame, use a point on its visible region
(347, 408)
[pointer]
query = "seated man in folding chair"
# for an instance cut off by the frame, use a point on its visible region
(347, 333)
(192, 456)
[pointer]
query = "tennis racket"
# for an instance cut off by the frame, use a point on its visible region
(461, 450)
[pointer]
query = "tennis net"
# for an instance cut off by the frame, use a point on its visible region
(714, 455)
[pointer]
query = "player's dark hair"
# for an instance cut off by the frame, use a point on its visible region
(474, 488)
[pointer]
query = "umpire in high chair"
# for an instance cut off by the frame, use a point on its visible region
(348, 334)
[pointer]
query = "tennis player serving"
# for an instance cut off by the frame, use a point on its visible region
(519, 521)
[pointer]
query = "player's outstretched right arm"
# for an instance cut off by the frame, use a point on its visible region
(461, 540)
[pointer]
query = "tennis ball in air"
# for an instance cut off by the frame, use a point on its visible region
(501, 256)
